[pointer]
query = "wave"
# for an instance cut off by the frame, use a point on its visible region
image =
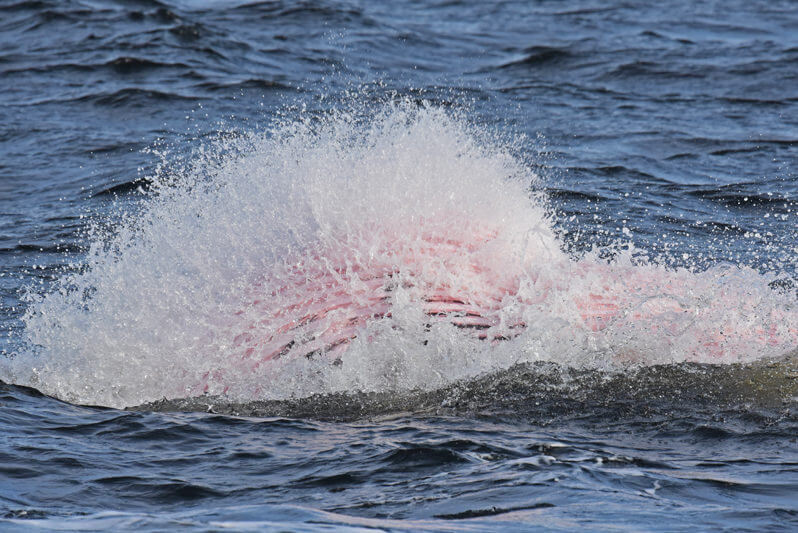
(121, 65)
(541, 392)
(535, 56)
(395, 249)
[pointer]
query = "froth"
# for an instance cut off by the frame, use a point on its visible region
(365, 228)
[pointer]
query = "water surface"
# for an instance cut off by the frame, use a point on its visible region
(672, 128)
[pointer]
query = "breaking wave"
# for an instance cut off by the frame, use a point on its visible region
(399, 250)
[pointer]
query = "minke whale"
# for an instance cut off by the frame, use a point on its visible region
(477, 284)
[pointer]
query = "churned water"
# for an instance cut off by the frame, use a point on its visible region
(426, 266)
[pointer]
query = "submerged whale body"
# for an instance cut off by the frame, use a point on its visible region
(477, 285)
(333, 303)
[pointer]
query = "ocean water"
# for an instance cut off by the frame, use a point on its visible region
(446, 266)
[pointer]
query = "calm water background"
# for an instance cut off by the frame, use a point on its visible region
(676, 125)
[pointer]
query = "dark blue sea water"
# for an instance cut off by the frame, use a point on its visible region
(140, 182)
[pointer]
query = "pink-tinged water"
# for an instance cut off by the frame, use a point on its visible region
(640, 314)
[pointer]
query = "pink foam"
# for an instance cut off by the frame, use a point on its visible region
(318, 306)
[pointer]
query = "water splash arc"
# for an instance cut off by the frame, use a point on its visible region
(406, 250)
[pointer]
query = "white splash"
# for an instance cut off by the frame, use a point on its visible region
(239, 276)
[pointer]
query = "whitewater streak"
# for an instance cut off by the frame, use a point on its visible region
(406, 250)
